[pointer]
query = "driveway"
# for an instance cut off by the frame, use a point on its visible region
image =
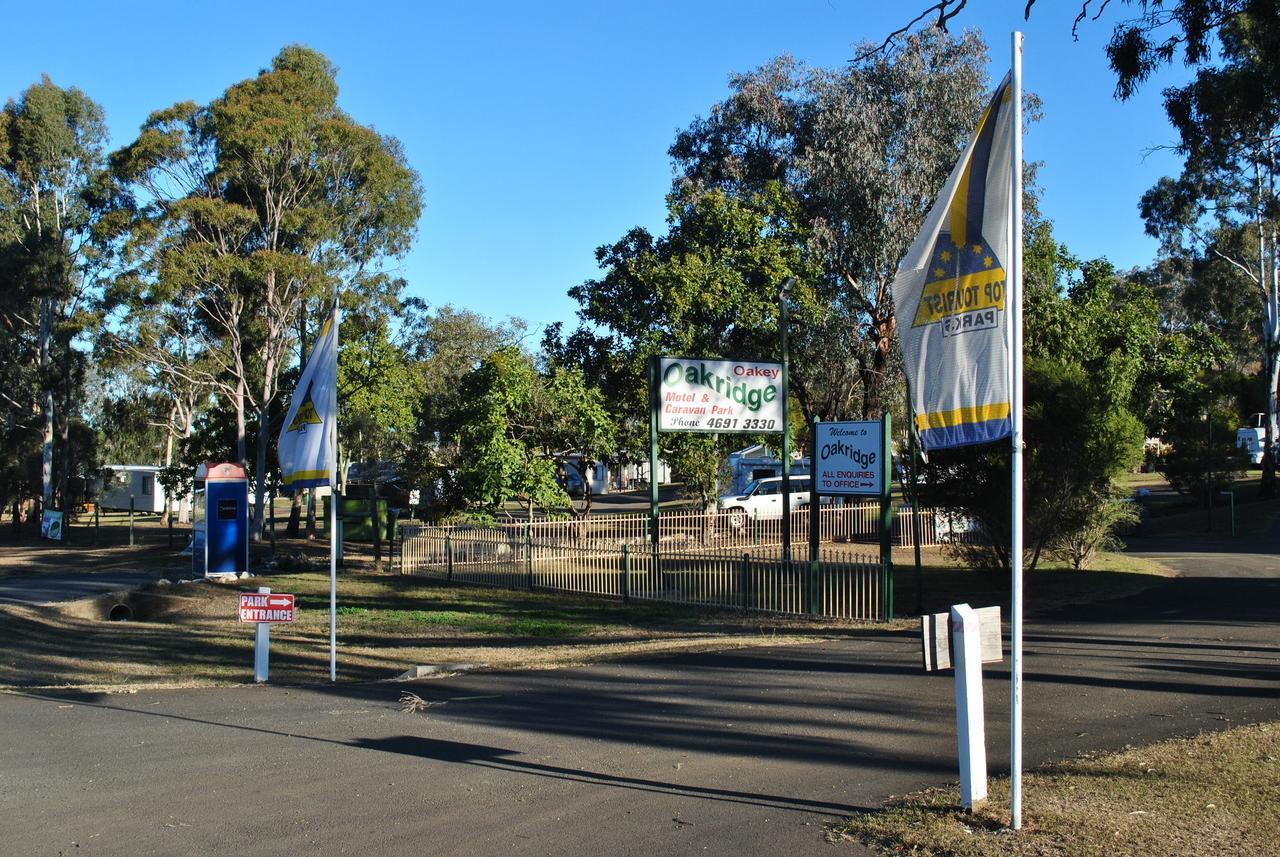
(742, 753)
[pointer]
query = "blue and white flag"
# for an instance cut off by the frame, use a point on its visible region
(950, 294)
(306, 440)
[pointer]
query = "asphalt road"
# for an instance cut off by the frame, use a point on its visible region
(742, 753)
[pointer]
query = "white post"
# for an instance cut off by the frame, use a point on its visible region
(262, 645)
(1015, 406)
(333, 508)
(971, 731)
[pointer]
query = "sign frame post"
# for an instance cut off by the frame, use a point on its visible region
(815, 521)
(655, 402)
(262, 609)
(886, 511)
(262, 645)
(868, 474)
(715, 395)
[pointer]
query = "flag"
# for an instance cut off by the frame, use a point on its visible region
(950, 294)
(306, 439)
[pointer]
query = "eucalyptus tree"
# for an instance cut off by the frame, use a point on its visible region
(255, 204)
(1224, 207)
(51, 144)
(862, 151)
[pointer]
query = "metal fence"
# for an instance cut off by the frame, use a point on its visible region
(716, 560)
(840, 585)
(721, 531)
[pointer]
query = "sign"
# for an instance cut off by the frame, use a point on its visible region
(719, 396)
(51, 525)
(266, 607)
(936, 638)
(850, 458)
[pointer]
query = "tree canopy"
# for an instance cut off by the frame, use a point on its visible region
(251, 209)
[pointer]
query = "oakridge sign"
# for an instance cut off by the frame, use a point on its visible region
(719, 396)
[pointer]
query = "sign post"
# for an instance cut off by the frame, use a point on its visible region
(850, 459)
(712, 396)
(965, 638)
(971, 733)
(263, 609)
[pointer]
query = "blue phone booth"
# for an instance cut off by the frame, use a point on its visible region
(220, 538)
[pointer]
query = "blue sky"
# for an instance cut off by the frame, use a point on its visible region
(540, 130)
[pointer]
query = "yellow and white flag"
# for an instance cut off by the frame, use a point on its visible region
(950, 294)
(306, 440)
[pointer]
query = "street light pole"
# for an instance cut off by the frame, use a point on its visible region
(784, 293)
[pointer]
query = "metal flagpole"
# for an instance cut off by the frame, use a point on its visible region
(333, 503)
(1015, 407)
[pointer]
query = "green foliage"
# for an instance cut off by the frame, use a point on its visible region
(1217, 221)
(776, 182)
(510, 427)
(1090, 525)
(709, 287)
(377, 388)
(247, 210)
(51, 142)
(1203, 458)
(1089, 354)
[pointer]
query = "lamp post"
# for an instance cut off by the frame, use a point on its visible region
(784, 293)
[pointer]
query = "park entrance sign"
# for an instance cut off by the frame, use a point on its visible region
(719, 396)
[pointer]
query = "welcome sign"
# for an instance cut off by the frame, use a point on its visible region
(721, 396)
(850, 458)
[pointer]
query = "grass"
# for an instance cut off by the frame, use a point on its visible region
(943, 583)
(386, 625)
(1208, 795)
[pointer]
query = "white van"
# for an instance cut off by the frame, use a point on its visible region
(762, 499)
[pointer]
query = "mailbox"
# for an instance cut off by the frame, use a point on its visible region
(220, 534)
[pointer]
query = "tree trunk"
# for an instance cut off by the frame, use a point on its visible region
(311, 513)
(242, 442)
(46, 406)
(874, 375)
(260, 475)
(295, 515)
(373, 523)
(1270, 278)
(188, 425)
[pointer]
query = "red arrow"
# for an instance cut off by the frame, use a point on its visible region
(280, 602)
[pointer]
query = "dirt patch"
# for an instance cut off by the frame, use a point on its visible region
(136, 605)
(1211, 794)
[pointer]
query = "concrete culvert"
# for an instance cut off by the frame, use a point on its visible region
(120, 613)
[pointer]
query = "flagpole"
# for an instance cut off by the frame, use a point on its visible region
(1015, 407)
(333, 504)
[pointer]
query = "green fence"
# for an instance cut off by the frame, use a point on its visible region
(842, 584)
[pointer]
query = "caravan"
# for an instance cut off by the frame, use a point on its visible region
(122, 483)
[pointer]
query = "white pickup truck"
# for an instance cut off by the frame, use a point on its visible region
(762, 499)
